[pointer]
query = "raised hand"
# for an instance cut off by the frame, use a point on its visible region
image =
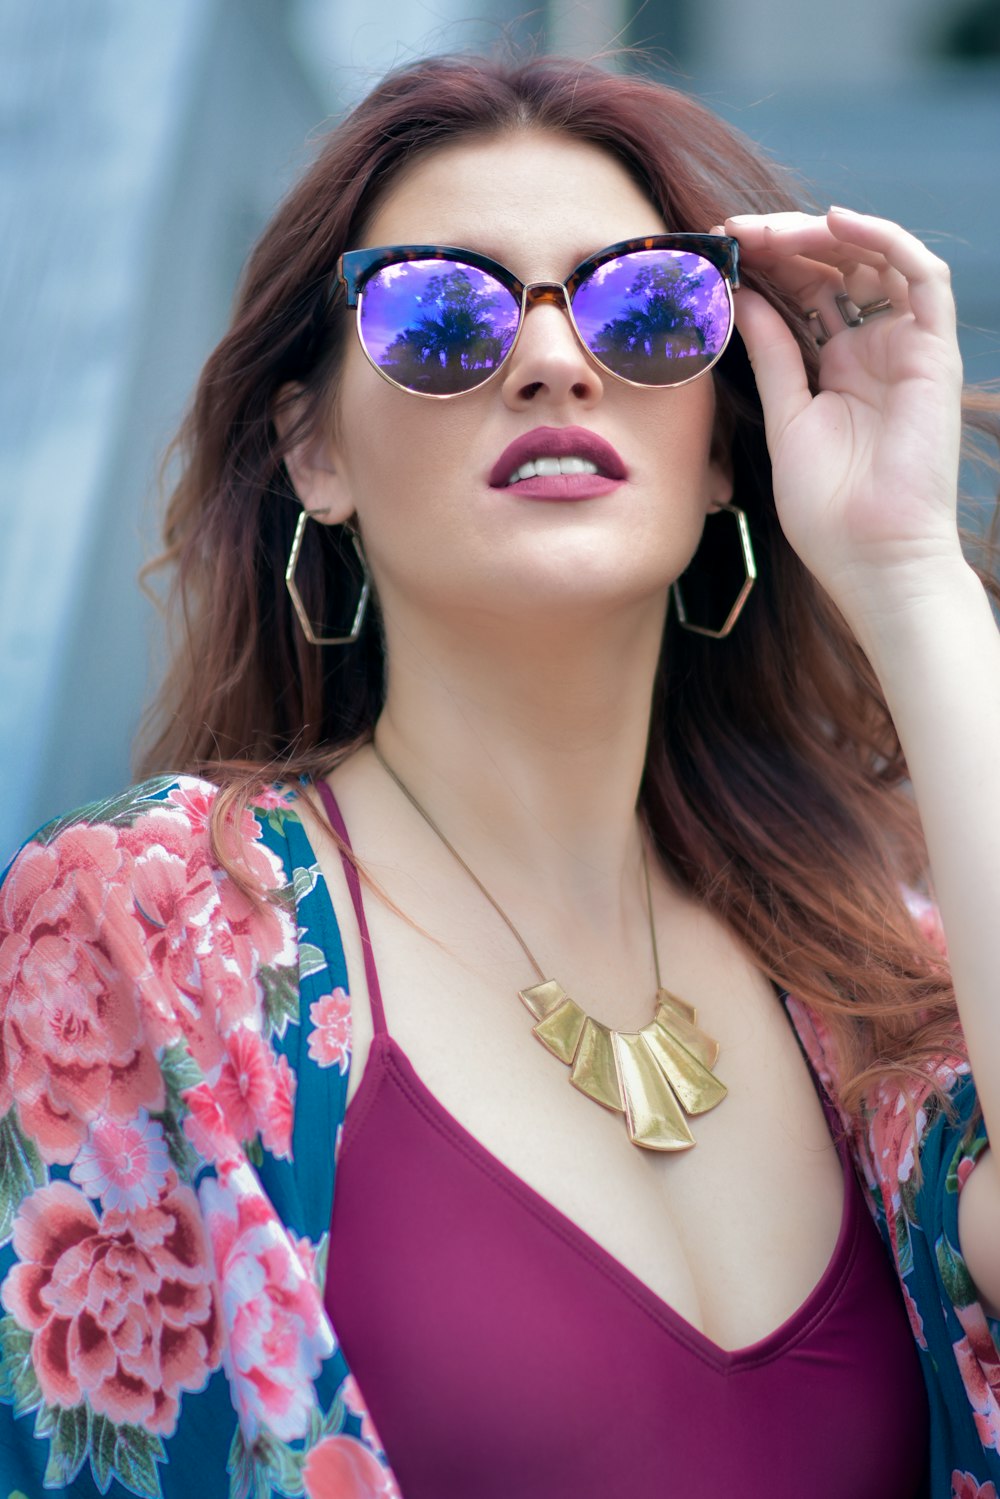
(866, 471)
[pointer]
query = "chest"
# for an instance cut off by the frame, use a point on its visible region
(734, 1233)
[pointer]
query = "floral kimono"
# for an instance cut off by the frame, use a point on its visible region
(173, 1082)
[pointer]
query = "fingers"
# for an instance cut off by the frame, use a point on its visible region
(816, 256)
(776, 360)
(927, 277)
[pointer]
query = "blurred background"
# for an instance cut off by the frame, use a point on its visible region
(144, 143)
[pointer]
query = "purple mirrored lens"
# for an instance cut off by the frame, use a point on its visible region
(437, 326)
(655, 316)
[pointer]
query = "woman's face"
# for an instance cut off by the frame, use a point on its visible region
(443, 533)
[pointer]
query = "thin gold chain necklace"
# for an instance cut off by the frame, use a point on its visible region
(654, 1076)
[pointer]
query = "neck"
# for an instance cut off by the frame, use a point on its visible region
(528, 750)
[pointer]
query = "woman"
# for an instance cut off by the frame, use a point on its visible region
(555, 784)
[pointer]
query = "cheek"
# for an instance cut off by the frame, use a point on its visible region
(677, 438)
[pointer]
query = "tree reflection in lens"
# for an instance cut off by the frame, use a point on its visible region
(664, 325)
(458, 328)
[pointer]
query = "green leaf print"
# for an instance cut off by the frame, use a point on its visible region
(281, 996)
(21, 1170)
(122, 810)
(908, 1198)
(183, 1156)
(305, 880)
(335, 1419)
(275, 818)
(957, 1282)
(322, 1256)
(128, 1453)
(267, 1466)
(904, 1249)
(963, 1152)
(180, 1072)
(18, 1382)
(311, 960)
(103, 1439)
(67, 1445)
(137, 1452)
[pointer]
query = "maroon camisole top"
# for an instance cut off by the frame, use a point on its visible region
(503, 1354)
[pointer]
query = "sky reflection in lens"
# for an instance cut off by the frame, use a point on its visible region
(437, 325)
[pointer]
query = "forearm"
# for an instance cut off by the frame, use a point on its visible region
(935, 647)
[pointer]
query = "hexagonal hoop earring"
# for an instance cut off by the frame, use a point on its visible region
(300, 609)
(749, 578)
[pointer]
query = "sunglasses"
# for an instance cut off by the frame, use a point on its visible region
(440, 322)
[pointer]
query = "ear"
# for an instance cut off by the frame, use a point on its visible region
(719, 484)
(311, 459)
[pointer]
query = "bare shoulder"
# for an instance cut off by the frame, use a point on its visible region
(979, 1229)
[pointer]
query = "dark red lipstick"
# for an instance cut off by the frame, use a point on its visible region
(559, 442)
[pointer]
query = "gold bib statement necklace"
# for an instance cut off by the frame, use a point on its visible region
(655, 1076)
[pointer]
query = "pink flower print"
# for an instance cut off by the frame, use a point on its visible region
(892, 1139)
(177, 909)
(816, 1037)
(351, 1396)
(256, 1091)
(966, 1166)
(277, 1334)
(120, 1308)
(964, 1486)
(206, 940)
(979, 1364)
(928, 920)
(268, 798)
(330, 1038)
(72, 957)
(912, 1311)
(196, 800)
(308, 1254)
(344, 1467)
(207, 1127)
(246, 1085)
(276, 1131)
(124, 1165)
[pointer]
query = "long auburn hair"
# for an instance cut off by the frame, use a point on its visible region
(774, 783)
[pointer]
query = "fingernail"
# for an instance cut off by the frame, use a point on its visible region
(838, 208)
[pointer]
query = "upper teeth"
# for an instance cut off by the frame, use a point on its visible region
(545, 468)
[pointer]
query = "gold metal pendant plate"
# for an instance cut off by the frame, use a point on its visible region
(654, 1076)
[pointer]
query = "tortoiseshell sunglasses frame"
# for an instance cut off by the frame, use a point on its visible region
(356, 267)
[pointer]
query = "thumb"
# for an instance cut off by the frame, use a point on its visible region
(776, 360)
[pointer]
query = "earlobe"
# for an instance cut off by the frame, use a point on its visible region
(720, 485)
(311, 461)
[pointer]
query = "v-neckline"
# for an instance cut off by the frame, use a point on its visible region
(763, 1350)
(387, 1055)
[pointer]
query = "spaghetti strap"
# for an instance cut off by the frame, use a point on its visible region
(354, 886)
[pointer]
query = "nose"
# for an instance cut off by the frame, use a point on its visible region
(548, 359)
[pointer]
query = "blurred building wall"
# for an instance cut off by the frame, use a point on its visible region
(143, 145)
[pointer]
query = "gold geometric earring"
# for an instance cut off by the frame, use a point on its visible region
(304, 621)
(749, 563)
